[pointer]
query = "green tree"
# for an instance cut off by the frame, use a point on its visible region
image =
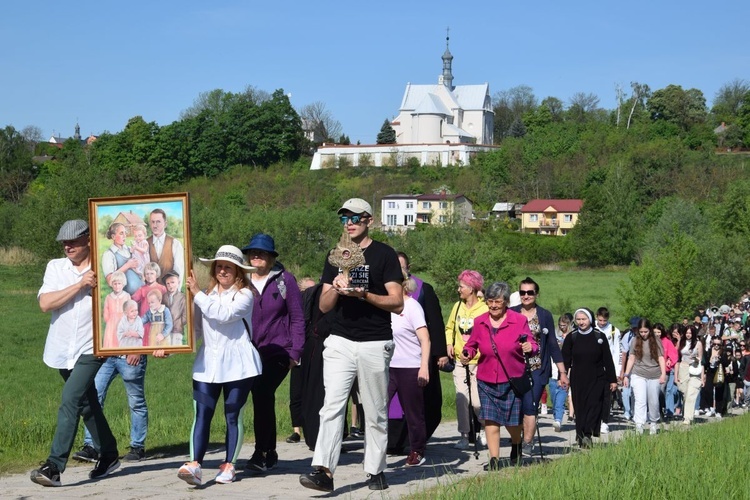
(16, 167)
(667, 284)
(728, 101)
(386, 135)
(608, 227)
(684, 108)
(511, 105)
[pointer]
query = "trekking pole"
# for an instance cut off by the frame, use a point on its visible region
(472, 429)
(527, 371)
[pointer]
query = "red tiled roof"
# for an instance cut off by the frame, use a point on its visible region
(567, 206)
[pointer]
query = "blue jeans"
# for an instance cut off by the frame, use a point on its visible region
(670, 394)
(134, 379)
(627, 400)
(558, 396)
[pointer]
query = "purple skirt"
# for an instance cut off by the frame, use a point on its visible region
(499, 403)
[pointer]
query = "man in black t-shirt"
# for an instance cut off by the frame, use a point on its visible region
(360, 346)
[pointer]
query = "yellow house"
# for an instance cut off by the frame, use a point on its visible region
(553, 217)
(443, 208)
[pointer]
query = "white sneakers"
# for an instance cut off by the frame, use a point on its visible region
(557, 425)
(191, 473)
(653, 428)
(544, 409)
(483, 437)
(226, 473)
(604, 429)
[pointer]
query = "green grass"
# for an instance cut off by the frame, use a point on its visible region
(704, 461)
(30, 393)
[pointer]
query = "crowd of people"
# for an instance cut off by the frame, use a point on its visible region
(376, 332)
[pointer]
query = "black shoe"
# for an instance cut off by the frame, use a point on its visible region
(317, 480)
(377, 482)
(86, 454)
(257, 462)
(135, 455)
(493, 465)
(294, 438)
(104, 467)
(272, 458)
(46, 475)
(354, 432)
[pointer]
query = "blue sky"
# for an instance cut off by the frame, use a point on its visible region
(101, 63)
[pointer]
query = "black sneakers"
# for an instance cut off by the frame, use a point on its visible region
(317, 480)
(104, 467)
(86, 454)
(135, 455)
(47, 475)
(272, 458)
(377, 482)
(257, 462)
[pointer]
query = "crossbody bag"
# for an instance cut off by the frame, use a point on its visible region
(520, 385)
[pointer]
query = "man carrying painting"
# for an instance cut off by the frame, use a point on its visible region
(67, 293)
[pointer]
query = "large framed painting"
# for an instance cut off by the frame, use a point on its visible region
(141, 254)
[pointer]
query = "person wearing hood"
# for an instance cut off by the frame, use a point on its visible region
(278, 334)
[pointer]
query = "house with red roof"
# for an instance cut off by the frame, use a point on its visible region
(552, 217)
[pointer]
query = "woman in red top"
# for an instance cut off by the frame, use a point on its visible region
(497, 336)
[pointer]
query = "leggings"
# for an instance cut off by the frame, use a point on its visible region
(205, 397)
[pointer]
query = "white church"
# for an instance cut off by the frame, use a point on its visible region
(437, 124)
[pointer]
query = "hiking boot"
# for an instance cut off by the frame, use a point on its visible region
(104, 467)
(294, 438)
(135, 454)
(46, 475)
(377, 481)
(415, 459)
(86, 454)
(226, 473)
(257, 462)
(317, 480)
(191, 473)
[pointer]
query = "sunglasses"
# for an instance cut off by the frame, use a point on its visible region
(530, 293)
(354, 219)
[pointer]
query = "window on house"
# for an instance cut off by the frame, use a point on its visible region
(410, 219)
(568, 218)
(409, 205)
(391, 204)
(443, 204)
(534, 218)
(392, 220)
(426, 204)
(443, 219)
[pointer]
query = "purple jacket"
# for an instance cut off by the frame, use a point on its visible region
(508, 347)
(278, 319)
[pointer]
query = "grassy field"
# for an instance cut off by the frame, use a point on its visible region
(701, 462)
(30, 394)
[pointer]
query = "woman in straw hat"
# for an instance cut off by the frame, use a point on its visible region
(227, 360)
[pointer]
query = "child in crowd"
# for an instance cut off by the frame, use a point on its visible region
(140, 248)
(151, 273)
(113, 305)
(130, 328)
(174, 299)
(158, 317)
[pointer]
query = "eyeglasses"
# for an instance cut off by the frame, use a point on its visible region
(354, 219)
(530, 293)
